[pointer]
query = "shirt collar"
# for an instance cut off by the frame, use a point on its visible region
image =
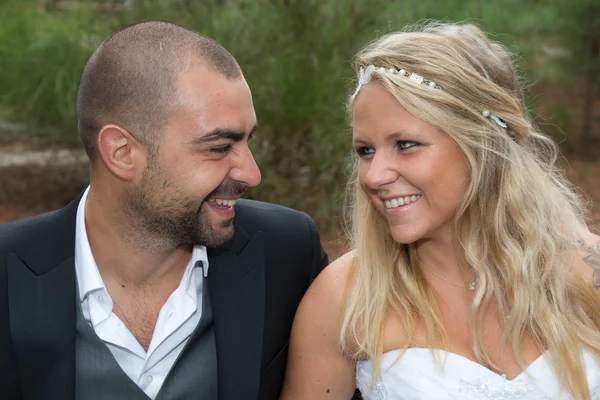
(188, 281)
(199, 253)
(88, 275)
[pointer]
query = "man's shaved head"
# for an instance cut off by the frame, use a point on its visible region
(131, 79)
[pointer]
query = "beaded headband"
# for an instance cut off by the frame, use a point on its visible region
(364, 77)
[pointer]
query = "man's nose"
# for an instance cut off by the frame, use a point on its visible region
(245, 169)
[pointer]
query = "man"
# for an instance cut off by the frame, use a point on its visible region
(158, 282)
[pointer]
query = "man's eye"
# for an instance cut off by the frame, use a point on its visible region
(364, 151)
(221, 149)
(406, 144)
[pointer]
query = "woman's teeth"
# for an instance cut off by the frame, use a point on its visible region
(401, 201)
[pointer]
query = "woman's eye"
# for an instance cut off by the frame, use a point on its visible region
(221, 150)
(406, 144)
(364, 151)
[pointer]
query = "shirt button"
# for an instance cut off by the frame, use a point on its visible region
(101, 299)
(149, 378)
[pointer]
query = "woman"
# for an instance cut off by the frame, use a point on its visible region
(473, 271)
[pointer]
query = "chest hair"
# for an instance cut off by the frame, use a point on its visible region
(140, 314)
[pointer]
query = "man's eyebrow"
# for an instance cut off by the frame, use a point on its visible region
(223, 134)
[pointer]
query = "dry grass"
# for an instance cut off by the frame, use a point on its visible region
(586, 175)
(26, 191)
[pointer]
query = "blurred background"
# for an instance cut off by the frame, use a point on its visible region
(296, 56)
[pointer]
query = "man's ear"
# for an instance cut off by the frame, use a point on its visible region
(121, 153)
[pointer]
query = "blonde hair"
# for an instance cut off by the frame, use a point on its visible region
(513, 225)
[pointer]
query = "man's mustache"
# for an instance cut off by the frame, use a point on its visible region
(227, 190)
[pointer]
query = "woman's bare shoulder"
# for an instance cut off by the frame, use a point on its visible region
(332, 282)
(345, 261)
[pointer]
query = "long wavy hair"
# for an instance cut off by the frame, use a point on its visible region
(516, 221)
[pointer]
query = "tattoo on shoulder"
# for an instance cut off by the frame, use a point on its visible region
(592, 258)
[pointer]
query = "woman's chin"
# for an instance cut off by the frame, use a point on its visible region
(403, 236)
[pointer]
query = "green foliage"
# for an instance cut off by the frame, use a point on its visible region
(579, 31)
(296, 56)
(42, 56)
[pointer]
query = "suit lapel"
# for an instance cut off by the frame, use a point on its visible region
(237, 289)
(41, 298)
(42, 320)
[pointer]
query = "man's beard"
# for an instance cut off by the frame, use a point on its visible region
(161, 209)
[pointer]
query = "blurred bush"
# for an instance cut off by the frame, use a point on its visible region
(296, 56)
(42, 55)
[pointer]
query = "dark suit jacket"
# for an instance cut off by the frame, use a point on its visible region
(256, 283)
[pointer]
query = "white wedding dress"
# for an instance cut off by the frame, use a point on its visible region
(417, 376)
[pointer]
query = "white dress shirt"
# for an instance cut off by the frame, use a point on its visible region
(177, 318)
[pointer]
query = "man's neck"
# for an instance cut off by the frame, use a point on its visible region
(123, 257)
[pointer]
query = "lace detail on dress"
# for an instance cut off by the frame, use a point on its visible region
(379, 390)
(418, 376)
(483, 389)
(364, 377)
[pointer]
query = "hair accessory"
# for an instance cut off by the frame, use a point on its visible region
(365, 73)
(364, 76)
(495, 118)
(499, 121)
